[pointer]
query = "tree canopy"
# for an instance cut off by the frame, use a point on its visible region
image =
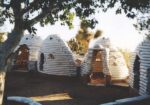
(80, 43)
(45, 11)
(25, 13)
(50, 11)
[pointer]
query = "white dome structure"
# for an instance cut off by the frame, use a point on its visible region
(56, 58)
(26, 53)
(140, 69)
(117, 65)
(105, 58)
(33, 42)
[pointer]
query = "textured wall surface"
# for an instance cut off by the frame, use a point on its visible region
(143, 52)
(57, 57)
(113, 60)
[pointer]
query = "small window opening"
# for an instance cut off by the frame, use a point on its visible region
(50, 38)
(51, 56)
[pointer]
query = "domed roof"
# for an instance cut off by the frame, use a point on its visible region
(33, 42)
(54, 41)
(114, 58)
(30, 40)
(100, 42)
(105, 42)
(58, 58)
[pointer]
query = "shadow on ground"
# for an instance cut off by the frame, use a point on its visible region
(47, 87)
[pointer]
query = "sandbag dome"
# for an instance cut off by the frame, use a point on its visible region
(56, 58)
(33, 42)
(140, 68)
(117, 65)
(25, 55)
(113, 61)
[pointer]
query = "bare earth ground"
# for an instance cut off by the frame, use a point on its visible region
(35, 84)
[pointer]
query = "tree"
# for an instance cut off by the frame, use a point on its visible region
(80, 42)
(73, 44)
(133, 9)
(19, 13)
(83, 37)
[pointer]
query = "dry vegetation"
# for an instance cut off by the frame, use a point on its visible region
(127, 56)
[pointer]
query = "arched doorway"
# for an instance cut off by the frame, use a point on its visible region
(136, 71)
(22, 57)
(97, 76)
(41, 61)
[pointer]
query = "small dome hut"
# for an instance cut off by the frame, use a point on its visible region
(140, 69)
(56, 58)
(104, 61)
(26, 53)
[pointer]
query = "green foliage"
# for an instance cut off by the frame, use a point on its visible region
(80, 43)
(50, 11)
(73, 44)
(67, 17)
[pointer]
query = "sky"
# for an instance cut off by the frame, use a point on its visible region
(118, 28)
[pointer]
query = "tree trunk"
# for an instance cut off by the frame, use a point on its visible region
(5, 49)
(9, 45)
(2, 84)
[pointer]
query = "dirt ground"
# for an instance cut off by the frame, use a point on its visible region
(36, 84)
